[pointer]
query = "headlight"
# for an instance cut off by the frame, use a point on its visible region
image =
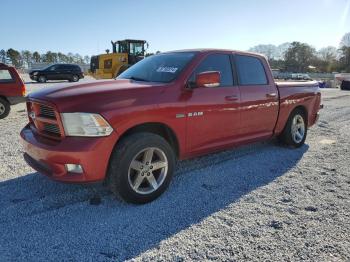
(35, 73)
(85, 124)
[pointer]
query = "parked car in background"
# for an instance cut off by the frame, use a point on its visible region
(68, 72)
(12, 89)
(300, 77)
(175, 105)
(344, 80)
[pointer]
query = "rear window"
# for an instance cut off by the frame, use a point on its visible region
(250, 70)
(5, 76)
(76, 67)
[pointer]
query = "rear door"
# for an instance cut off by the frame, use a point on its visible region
(7, 83)
(213, 115)
(259, 97)
(67, 71)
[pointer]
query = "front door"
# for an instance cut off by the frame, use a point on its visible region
(52, 73)
(213, 115)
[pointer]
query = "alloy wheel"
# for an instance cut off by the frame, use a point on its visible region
(2, 109)
(148, 170)
(298, 129)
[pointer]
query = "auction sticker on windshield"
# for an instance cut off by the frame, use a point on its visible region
(167, 69)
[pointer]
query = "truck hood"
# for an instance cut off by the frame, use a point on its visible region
(35, 70)
(97, 96)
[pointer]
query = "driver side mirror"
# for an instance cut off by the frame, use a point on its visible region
(208, 79)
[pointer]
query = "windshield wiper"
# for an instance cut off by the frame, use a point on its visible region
(137, 79)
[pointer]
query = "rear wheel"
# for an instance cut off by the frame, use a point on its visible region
(294, 133)
(141, 167)
(4, 108)
(42, 79)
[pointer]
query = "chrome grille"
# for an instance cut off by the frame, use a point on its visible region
(46, 111)
(52, 128)
(44, 120)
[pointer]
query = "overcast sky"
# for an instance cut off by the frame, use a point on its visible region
(87, 26)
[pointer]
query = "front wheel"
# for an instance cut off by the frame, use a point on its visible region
(141, 168)
(294, 133)
(42, 79)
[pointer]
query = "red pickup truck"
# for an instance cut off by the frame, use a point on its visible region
(12, 89)
(129, 132)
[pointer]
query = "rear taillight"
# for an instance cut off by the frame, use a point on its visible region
(23, 90)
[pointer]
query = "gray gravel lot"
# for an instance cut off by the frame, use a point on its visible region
(259, 202)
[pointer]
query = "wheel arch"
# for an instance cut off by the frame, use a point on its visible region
(285, 115)
(303, 109)
(5, 98)
(157, 128)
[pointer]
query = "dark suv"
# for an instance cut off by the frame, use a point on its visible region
(68, 72)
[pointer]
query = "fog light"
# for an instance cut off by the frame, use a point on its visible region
(73, 168)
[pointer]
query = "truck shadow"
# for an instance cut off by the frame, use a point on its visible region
(47, 220)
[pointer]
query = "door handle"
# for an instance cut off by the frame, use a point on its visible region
(231, 98)
(271, 95)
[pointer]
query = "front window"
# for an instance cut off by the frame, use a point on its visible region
(162, 68)
(122, 47)
(136, 49)
(215, 62)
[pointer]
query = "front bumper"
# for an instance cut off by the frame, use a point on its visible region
(49, 157)
(14, 100)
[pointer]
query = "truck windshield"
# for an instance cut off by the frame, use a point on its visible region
(162, 68)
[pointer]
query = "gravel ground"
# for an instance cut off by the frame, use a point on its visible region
(258, 202)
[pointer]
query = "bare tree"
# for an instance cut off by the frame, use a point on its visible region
(27, 57)
(87, 59)
(327, 54)
(2, 56)
(345, 41)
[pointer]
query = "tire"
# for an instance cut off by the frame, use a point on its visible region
(345, 85)
(74, 78)
(42, 79)
(295, 131)
(4, 108)
(132, 174)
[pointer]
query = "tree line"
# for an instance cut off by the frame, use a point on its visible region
(302, 58)
(289, 57)
(25, 58)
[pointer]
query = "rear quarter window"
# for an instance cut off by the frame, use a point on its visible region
(5, 76)
(250, 70)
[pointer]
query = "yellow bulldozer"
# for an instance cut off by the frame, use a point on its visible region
(125, 53)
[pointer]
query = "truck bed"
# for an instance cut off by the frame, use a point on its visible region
(297, 93)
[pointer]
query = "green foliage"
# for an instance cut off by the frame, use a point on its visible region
(36, 58)
(299, 57)
(15, 57)
(25, 58)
